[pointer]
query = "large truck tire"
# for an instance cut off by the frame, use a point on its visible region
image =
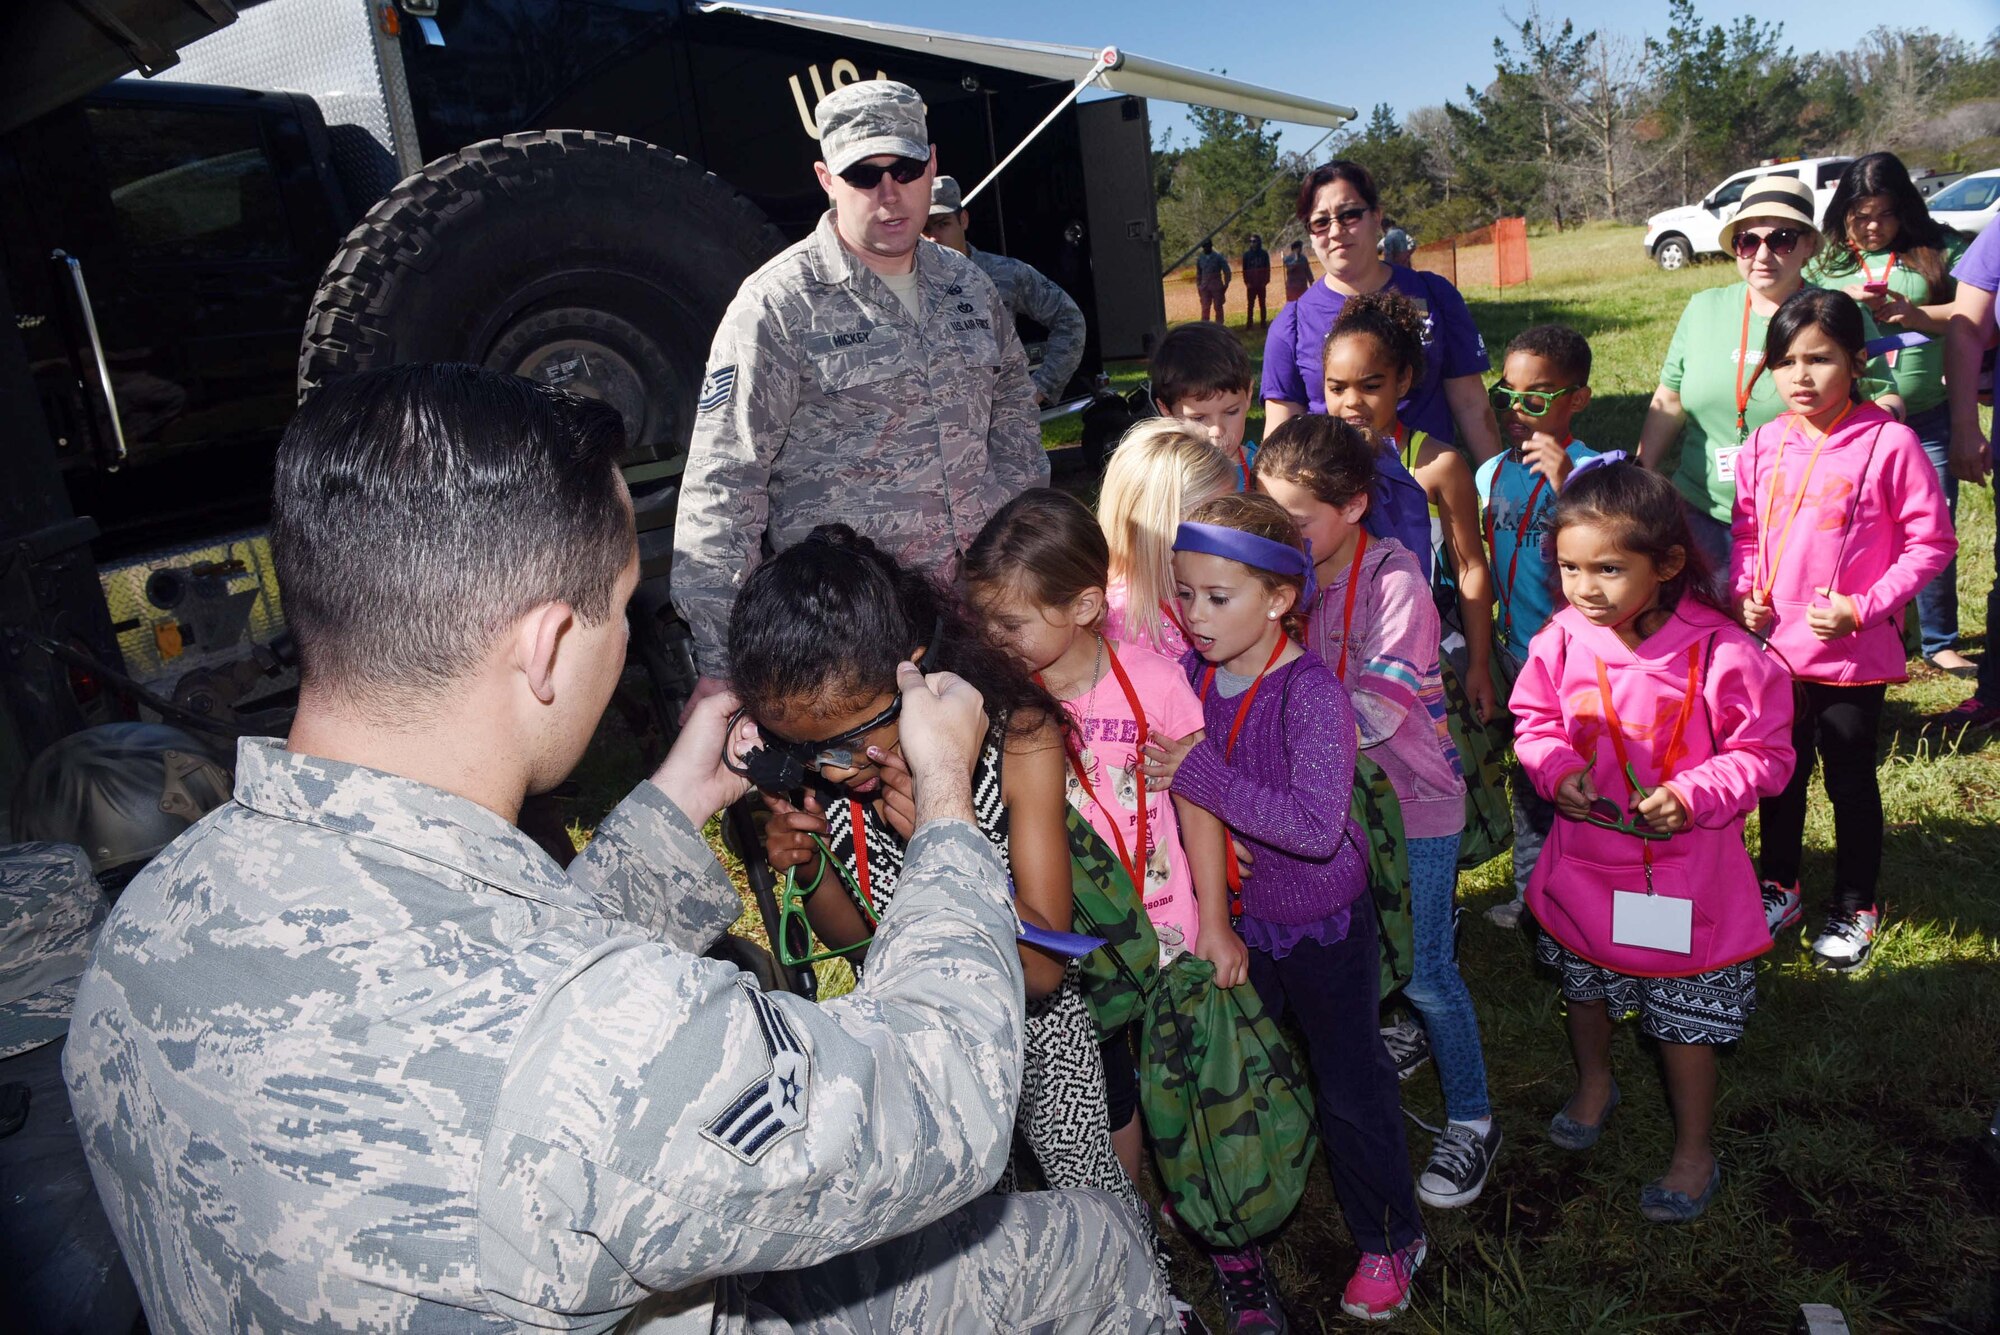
(591, 261)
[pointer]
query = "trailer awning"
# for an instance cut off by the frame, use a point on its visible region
(1127, 73)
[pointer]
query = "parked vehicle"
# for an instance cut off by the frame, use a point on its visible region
(1968, 204)
(1678, 237)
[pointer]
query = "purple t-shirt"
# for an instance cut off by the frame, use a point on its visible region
(1295, 371)
(1979, 266)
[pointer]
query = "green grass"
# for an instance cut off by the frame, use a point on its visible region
(1848, 1116)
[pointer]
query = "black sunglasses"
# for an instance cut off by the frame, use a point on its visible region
(1782, 241)
(868, 175)
(1341, 218)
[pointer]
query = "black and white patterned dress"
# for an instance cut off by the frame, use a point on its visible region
(1063, 1120)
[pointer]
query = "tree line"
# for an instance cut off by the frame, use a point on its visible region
(1579, 125)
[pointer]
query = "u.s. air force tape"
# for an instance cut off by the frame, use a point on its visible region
(774, 1105)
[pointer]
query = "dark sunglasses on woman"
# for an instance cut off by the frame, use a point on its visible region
(1782, 241)
(1341, 218)
(868, 175)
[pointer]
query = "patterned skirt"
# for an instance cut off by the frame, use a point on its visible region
(1709, 1007)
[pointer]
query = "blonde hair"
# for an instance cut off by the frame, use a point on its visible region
(1162, 469)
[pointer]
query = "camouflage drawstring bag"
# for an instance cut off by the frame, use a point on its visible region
(1117, 975)
(1489, 813)
(1226, 1103)
(1380, 816)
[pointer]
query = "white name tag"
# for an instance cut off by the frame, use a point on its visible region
(1725, 462)
(1657, 922)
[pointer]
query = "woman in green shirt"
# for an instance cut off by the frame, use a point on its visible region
(1896, 261)
(1710, 397)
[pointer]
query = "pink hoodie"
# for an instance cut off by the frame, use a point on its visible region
(1734, 747)
(1872, 525)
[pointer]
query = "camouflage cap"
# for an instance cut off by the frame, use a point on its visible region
(945, 196)
(50, 909)
(869, 118)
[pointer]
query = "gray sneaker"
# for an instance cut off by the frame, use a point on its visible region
(1409, 1046)
(1460, 1161)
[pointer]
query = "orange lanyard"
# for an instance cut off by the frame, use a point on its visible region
(1868, 275)
(1347, 607)
(1743, 356)
(1229, 750)
(1520, 538)
(1798, 499)
(1664, 760)
(1134, 864)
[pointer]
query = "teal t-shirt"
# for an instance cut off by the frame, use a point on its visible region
(1701, 367)
(1514, 513)
(1918, 372)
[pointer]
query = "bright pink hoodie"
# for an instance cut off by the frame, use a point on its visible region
(1734, 748)
(1872, 525)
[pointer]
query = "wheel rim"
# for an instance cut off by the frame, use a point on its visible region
(1672, 256)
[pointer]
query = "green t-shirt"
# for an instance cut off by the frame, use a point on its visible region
(1701, 368)
(1919, 371)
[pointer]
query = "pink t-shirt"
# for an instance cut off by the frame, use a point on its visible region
(1112, 745)
(1171, 642)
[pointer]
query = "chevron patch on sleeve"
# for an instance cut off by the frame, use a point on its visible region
(716, 389)
(774, 1105)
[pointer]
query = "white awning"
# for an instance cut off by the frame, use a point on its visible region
(1128, 73)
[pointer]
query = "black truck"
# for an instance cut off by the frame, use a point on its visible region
(566, 189)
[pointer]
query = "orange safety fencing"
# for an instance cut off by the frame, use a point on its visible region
(1495, 256)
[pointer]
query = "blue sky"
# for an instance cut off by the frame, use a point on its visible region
(1352, 54)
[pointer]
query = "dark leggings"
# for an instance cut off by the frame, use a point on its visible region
(1840, 724)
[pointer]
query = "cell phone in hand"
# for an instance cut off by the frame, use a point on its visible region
(1877, 288)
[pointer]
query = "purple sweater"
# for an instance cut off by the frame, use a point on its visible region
(1287, 792)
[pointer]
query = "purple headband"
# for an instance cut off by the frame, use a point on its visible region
(1262, 553)
(1595, 462)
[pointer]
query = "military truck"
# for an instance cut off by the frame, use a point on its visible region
(565, 189)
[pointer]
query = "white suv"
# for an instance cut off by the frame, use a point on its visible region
(1677, 237)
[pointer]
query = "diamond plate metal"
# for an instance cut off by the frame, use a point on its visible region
(125, 596)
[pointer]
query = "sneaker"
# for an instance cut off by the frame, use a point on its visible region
(1409, 1046)
(1380, 1287)
(1187, 1320)
(1249, 1296)
(1974, 713)
(1847, 940)
(1782, 907)
(1507, 915)
(1460, 1160)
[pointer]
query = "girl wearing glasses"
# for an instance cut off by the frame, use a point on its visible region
(814, 640)
(1710, 397)
(1343, 216)
(1890, 255)
(1654, 723)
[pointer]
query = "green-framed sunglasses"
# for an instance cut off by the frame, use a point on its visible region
(1606, 814)
(795, 938)
(1533, 402)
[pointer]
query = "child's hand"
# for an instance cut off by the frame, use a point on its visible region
(1164, 756)
(899, 796)
(788, 834)
(1895, 309)
(1245, 859)
(1545, 455)
(1756, 614)
(1836, 619)
(1575, 794)
(1662, 811)
(1220, 946)
(1479, 689)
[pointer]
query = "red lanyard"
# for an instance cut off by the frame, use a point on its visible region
(1134, 864)
(1243, 463)
(1868, 275)
(1664, 760)
(1520, 538)
(1742, 356)
(1229, 749)
(1347, 608)
(858, 820)
(1798, 499)
(1173, 618)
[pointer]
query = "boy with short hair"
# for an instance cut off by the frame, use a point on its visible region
(1202, 376)
(1544, 383)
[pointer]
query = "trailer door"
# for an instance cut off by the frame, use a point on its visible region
(1124, 234)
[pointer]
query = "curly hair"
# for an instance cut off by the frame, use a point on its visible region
(1391, 319)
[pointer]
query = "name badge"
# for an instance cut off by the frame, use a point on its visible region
(1656, 922)
(1725, 462)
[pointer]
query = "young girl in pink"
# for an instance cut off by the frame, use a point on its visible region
(1839, 522)
(1653, 723)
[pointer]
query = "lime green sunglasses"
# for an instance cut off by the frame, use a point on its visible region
(1533, 402)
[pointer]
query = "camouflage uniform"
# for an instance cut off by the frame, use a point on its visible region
(825, 401)
(1211, 280)
(50, 907)
(1027, 291)
(354, 1054)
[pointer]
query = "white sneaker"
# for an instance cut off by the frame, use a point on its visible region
(1507, 915)
(1847, 940)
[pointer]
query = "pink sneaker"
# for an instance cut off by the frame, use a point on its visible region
(1380, 1287)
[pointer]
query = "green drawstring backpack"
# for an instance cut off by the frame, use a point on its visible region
(1226, 1102)
(1118, 975)
(1380, 816)
(1482, 752)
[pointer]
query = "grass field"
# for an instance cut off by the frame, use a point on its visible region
(1848, 1119)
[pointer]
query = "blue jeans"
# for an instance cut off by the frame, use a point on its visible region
(1436, 990)
(1937, 601)
(1711, 536)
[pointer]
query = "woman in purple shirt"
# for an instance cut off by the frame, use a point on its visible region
(1343, 215)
